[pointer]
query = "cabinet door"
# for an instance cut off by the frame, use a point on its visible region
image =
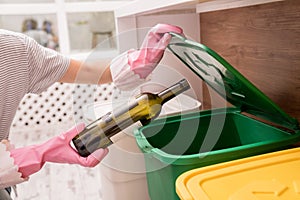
(91, 30)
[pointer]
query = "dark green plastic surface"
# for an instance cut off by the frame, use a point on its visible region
(171, 148)
(175, 144)
(220, 75)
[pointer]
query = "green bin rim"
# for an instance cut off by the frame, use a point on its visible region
(211, 156)
(228, 82)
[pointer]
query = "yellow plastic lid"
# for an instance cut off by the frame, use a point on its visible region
(269, 176)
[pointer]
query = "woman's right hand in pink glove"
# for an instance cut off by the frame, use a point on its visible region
(131, 68)
(144, 60)
(58, 150)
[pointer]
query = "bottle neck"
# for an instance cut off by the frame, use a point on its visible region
(174, 90)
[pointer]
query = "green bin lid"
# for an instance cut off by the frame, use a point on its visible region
(228, 82)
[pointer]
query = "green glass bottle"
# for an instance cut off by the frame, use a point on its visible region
(143, 108)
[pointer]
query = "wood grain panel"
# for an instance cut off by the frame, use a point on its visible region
(263, 43)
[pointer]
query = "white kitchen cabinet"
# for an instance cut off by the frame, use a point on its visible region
(73, 21)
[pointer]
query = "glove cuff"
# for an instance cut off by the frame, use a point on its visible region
(123, 77)
(9, 174)
(28, 159)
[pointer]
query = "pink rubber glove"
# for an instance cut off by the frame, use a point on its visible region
(58, 150)
(143, 61)
(133, 67)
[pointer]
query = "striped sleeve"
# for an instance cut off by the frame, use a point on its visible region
(46, 66)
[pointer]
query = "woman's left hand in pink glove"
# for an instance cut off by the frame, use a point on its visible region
(57, 150)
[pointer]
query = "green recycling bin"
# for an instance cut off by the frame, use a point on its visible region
(175, 144)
